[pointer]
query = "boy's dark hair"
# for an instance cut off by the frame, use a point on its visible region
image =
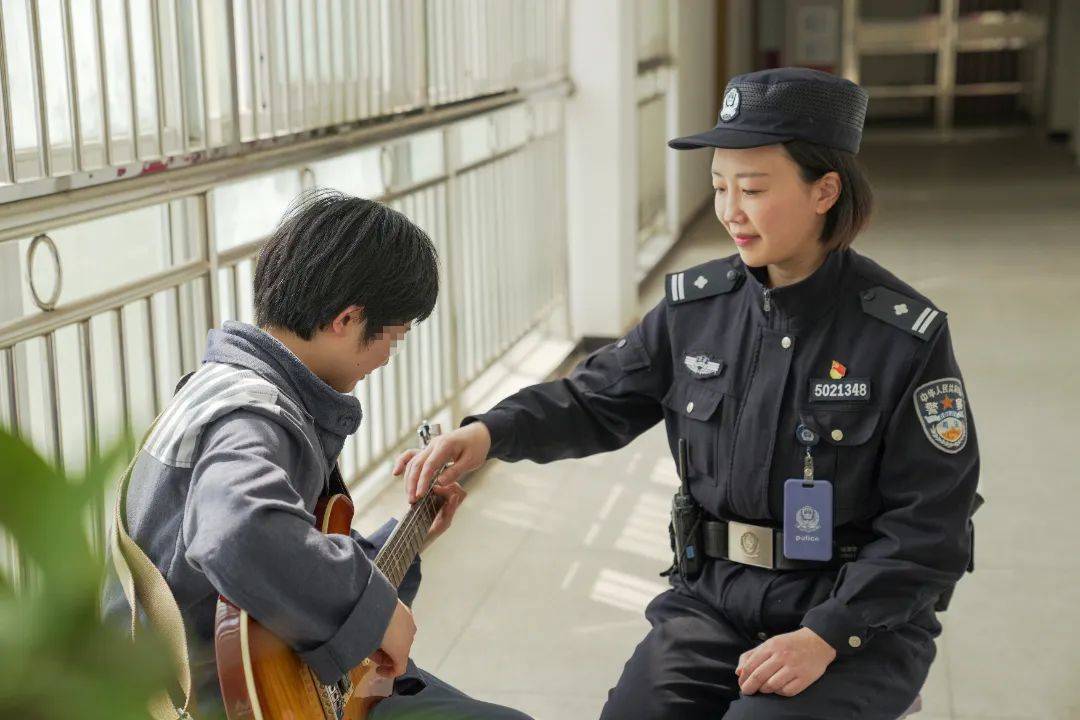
(331, 251)
(852, 209)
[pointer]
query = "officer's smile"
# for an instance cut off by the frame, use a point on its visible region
(744, 240)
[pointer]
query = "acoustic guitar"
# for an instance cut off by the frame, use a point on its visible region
(263, 679)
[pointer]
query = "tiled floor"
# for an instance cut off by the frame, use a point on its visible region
(535, 597)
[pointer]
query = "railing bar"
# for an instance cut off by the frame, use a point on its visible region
(89, 401)
(235, 276)
(254, 73)
(159, 77)
(282, 15)
(103, 83)
(203, 81)
(54, 398)
(132, 89)
(45, 147)
(22, 329)
(125, 398)
(180, 75)
(304, 86)
(178, 307)
(73, 86)
(13, 390)
(234, 64)
(270, 54)
(151, 346)
(5, 98)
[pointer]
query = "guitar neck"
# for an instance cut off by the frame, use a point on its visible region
(408, 537)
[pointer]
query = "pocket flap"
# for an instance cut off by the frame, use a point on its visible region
(631, 353)
(842, 427)
(692, 400)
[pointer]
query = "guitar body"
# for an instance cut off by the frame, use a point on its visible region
(263, 679)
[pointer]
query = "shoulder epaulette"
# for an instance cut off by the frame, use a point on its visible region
(712, 278)
(914, 316)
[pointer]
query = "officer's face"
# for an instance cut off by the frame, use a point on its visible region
(773, 215)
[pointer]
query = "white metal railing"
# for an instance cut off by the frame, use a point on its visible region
(488, 190)
(96, 90)
(107, 291)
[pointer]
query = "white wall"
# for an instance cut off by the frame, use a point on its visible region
(601, 167)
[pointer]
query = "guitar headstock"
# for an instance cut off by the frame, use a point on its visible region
(426, 431)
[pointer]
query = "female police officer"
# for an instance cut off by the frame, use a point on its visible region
(832, 459)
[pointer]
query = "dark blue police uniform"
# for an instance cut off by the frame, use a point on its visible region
(851, 362)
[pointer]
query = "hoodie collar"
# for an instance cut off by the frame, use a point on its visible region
(247, 346)
(800, 304)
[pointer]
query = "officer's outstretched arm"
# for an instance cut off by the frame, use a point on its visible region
(608, 400)
(929, 472)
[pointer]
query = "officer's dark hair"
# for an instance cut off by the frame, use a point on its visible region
(330, 251)
(852, 210)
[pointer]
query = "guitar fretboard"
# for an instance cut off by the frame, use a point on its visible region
(404, 544)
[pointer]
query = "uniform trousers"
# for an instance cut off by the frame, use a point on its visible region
(685, 666)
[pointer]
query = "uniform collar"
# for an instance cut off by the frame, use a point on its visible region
(807, 300)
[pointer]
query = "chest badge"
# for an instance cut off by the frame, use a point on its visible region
(837, 371)
(703, 366)
(942, 411)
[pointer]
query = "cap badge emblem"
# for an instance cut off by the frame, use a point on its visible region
(731, 105)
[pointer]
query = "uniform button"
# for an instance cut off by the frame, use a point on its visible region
(854, 641)
(621, 343)
(732, 275)
(689, 407)
(786, 342)
(837, 434)
(762, 636)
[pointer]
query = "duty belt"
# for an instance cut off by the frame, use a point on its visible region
(764, 547)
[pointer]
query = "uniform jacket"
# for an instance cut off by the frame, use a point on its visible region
(736, 368)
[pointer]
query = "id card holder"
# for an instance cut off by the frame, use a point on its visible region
(808, 520)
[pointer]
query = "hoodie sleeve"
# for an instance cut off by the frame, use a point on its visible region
(246, 527)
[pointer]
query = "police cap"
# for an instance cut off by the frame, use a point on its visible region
(774, 106)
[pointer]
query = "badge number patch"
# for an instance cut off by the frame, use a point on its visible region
(843, 390)
(942, 411)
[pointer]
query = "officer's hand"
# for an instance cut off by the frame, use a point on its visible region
(467, 448)
(786, 664)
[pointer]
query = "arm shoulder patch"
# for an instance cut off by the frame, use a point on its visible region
(913, 316)
(716, 277)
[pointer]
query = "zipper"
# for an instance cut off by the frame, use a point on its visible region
(766, 301)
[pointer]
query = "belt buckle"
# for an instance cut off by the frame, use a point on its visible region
(750, 544)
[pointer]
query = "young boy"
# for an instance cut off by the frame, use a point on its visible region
(222, 495)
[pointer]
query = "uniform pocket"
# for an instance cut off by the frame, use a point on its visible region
(695, 410)
(847, 453)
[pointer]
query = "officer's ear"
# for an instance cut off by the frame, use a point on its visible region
(826, 192)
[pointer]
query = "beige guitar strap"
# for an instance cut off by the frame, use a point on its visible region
(144, 585)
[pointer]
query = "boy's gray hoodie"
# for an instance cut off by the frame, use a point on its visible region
(222, 498)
